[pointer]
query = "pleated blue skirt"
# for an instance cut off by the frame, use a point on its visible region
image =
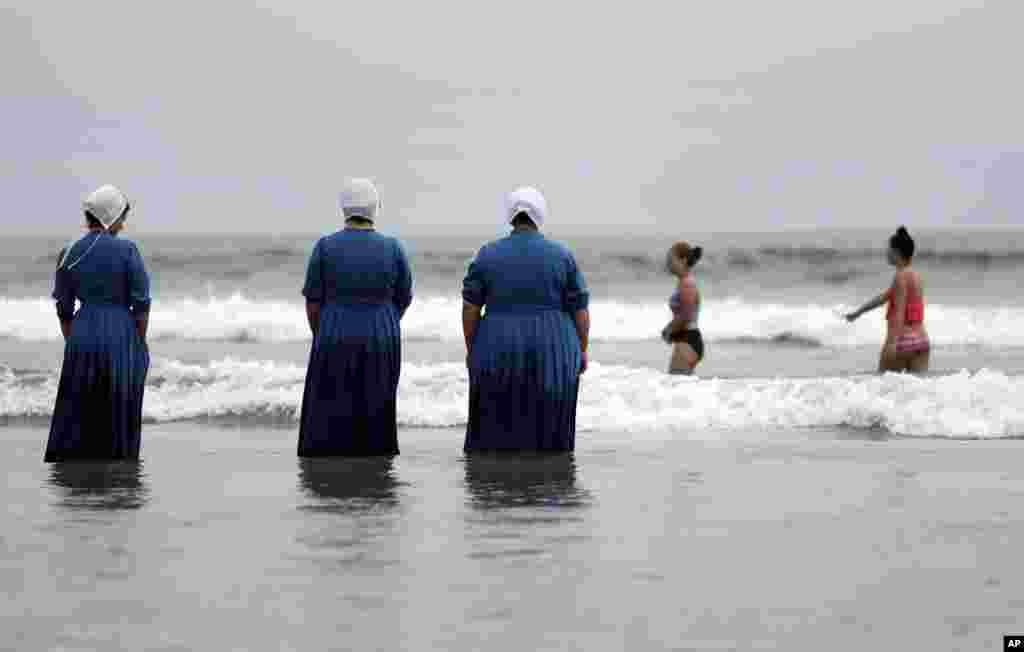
(524, 383)
(98, 411)
(348, 405)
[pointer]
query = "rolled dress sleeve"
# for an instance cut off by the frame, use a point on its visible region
(313, 289)
(138, 283)
(403, 283)
(474, 285)
(576, 296)
(64, 290)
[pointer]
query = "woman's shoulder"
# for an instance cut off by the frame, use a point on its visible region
(116, 241)
(491, 247)
(73, 246)
(126, 247)
(321, 243)
(395, 246)
(556, 248)
(385, 242)
(908, 280)
(62, 253)
(915, 281)
(328, 237)
(560, 246)
(907, 277)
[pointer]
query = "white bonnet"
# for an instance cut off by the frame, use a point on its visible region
(526, 200)
(359, 198)
(107, 204)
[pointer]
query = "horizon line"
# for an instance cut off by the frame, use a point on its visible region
(466, 231)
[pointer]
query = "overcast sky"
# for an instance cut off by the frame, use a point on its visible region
(645, 116)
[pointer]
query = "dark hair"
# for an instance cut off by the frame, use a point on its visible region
(92, 221)
(358, 220)
(693, 257)
(682, 252)
(902, 242)
(95, 223)
(523, 218)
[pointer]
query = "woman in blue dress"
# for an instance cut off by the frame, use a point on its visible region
(358, 287)
(98, 411)
(526, 322)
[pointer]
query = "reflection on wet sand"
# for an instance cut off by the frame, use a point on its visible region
(99, 485)
(495, 481)
(343, 485)
(353, 507)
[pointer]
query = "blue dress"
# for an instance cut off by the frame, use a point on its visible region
(98, 411)
(362, 281)
(525, 356)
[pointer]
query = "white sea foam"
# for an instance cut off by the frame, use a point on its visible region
(241, 319)
(612, 399)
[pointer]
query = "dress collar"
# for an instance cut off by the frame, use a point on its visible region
(528, 233)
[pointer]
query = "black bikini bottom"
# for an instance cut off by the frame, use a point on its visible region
(693, 338)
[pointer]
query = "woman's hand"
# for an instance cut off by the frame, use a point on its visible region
(889, 348)
(669, 331)
(313, 317)
(666, 334)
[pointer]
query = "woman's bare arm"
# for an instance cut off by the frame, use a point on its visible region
(142, 325)
(874, 303)
(470, 320)
(582, 319)
(313, 316)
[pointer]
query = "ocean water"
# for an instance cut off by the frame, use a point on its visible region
(758, 539)
(229, 339)
(788, 498)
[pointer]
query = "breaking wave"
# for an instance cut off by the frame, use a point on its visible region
(615, 398)
(239, 319)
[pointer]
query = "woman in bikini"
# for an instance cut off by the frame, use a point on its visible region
(906, 345)
(682, 332)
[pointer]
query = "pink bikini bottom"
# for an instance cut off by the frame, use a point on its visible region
(913, 343)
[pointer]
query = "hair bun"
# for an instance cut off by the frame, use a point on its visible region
(902, 242)
(695, 255)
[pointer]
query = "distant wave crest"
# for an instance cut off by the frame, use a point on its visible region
(769, 256)
(837, 265)
(239, 319)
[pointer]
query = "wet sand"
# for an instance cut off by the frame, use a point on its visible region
(796, 540)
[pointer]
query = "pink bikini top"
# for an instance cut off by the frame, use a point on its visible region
(915, 307)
